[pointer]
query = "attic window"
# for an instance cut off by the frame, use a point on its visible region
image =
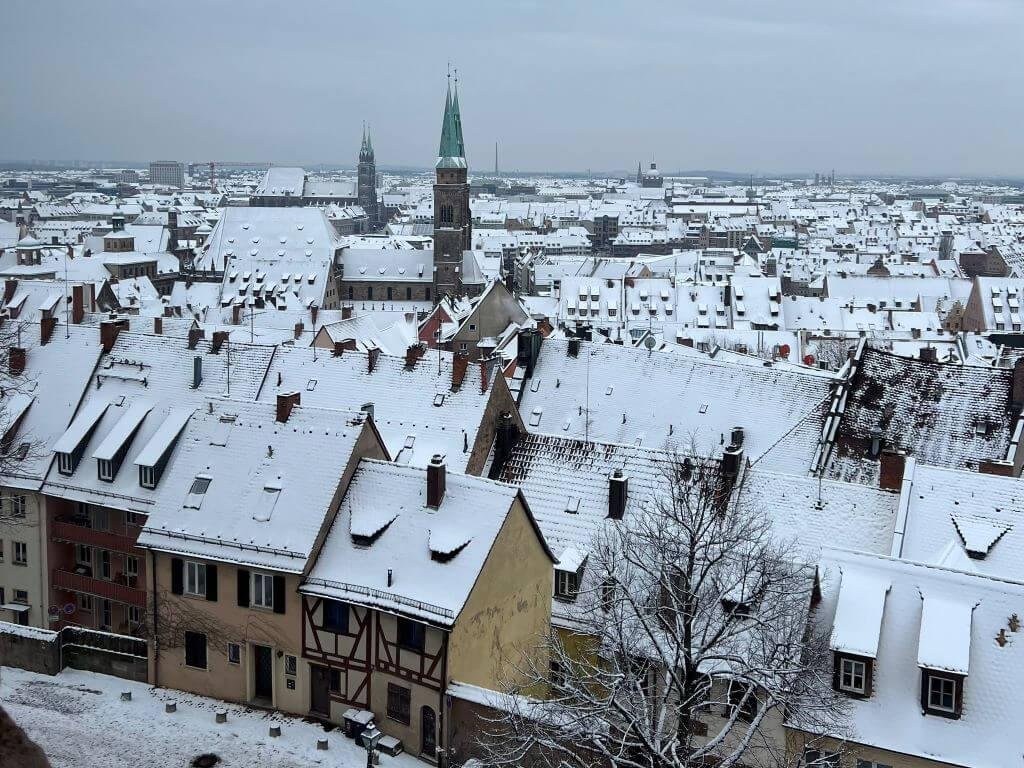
(311, 385)
(439, 399)
(572, 505)
(264, 507)
(535, 417)
(200, 484)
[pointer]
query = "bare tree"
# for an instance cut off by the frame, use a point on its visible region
(692, 644)
(833, 352)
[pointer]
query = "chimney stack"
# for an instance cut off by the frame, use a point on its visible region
(194, 335)
(574, 347)
(528, 346)
(371, 358)
(236, 314)
(10, 286)
(435, 481)
(505, 438)
(197, 371)
(413, 353)
(890, 474)
(77, 303)
(16, 360)
(109, 329)
(346, 311)
(158, 326)
(314, 310)
(219, 337)
(459, 365)
(46, 326)
(286, 401)
(299, 327)
(339, 348)
(618, 486)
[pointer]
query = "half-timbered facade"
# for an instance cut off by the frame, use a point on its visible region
(421, 571)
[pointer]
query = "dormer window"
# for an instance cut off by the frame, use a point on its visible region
(941, 693)
(106, 469)
(65, 463)
(147, 477)
(852, 675)
(567, 584)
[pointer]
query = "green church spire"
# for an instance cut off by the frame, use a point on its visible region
(452, 151)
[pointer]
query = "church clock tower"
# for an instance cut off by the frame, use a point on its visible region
(453, 228)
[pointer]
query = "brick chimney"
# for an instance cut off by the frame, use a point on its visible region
(618, 488)
(339, 348)
(46, 326)
(890, 473)
(168, 311)
(574, 348)
(371, 358)
(16, 360)
(219, 337)
(414, 353)
(77, 303)
(10, 286)
(109, 329)
(314, 310)
(435, 481)
(236, 314)
(459, 365)
(285, 402)
(299, 328)
(194, 335)
(506, 435)
(346, 311)
(158, 326)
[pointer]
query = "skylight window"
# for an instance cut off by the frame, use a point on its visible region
(200, 484)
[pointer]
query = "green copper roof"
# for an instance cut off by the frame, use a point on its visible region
(452, 151)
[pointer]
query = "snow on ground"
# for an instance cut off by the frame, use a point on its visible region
(79, 720)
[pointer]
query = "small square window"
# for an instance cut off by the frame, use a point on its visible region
(567, 584)
(852, 676)
(411, 634)
(336, 616)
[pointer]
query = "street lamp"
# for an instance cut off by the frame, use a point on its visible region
(371, 735)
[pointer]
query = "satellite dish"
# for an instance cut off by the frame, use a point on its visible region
(649, 342)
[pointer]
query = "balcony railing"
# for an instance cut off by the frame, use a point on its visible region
(65, 530)
(107, 590)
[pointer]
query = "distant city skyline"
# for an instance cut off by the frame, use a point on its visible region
(903, 88)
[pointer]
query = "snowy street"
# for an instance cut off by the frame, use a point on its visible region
(79, 720)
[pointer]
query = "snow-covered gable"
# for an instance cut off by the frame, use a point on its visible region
(423, 562)
(964, 520)
(414, 408)
(669, 401)
(271, 484)
(948, 621)
(138, 386)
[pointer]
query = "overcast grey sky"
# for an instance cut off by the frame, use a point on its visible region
(864, 86)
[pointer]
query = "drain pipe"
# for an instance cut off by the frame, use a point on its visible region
(156, 625)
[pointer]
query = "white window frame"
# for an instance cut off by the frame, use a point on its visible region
(131, 566)
(65, 464)
(147, 476)
(194, 579)
(942, 683)
(852, 669)
(19, 505)
(260, 597)
(106, 469)
(563, 584)
(20, 554)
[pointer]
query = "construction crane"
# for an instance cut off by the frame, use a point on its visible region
(212, 165)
